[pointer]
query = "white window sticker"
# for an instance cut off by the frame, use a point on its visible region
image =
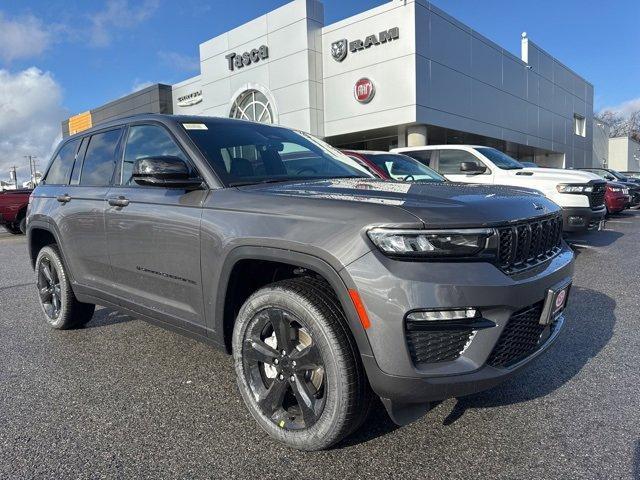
(195, 126)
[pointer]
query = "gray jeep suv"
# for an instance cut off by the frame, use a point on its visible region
(328, 286)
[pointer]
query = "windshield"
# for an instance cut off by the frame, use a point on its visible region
(247, 153)
(500, 160)
(401, 167)
(619, 176)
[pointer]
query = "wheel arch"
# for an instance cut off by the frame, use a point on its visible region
(39, 235)
(225, 315)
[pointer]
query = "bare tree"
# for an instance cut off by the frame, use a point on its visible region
(621, 125)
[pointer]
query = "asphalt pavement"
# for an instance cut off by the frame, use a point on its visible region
(124, 399)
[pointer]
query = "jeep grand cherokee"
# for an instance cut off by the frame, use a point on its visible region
(328, 286)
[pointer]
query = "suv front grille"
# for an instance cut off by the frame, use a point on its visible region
(527, 244)
(596, 198)
(437, 346)
(521, 337)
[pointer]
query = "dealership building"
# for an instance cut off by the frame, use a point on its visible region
(402, 74)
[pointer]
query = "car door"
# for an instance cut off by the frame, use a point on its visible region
(153, 235)
(449, 163)
(79, 214)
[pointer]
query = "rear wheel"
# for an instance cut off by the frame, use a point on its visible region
(61, 308)
(13, 229)
(22, 225)
(297, 366)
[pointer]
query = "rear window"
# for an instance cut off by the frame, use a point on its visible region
(61, 166)
(100, 159)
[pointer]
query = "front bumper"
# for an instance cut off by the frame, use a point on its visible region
(579, 219)
(389, 289)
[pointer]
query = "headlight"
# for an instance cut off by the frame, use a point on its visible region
(461, 243)
(574, 188)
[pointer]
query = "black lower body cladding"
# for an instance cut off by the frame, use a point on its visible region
(505, 335)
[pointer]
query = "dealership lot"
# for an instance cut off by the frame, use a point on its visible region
(122, 398)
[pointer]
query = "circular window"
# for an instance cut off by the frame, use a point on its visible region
(252, 105)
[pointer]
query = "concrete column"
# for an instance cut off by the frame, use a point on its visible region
(416, 136)
(402, 136)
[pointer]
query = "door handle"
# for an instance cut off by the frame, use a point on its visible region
(118, 202)
(63, 198)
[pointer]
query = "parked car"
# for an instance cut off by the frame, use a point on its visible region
(614, 176)
(617, 197)
(327, 285)
(13, 210)
(394, 166)
(580, 194)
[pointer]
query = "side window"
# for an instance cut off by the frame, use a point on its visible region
(423, 156)
(449, 161)
(100, 159)
(61, 166)
(146, 141)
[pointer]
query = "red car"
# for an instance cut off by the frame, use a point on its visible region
(616, 197)
(394, 166)
(13, 210)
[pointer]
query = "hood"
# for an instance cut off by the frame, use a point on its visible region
(557, 175)
(435, 204)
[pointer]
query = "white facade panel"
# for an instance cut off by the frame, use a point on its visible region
(434, 70)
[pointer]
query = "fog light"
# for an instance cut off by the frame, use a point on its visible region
(576, 221)
(438, 315)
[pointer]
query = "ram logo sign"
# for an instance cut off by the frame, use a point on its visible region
(340, 48)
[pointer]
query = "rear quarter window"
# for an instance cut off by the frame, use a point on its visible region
(61, 165)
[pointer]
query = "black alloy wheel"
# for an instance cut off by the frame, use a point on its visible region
(48, 283)
(284, 369)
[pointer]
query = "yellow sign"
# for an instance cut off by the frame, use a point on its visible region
(80, 122)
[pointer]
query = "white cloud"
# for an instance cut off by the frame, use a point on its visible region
(179, 62)
(22, 37)
(140, 84)
(31, 113)
(625, 108)
(117, 15)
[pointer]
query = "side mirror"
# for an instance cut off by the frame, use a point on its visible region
(472, 168)
(166, 171)
(609, 177)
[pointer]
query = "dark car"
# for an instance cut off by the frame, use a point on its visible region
(394, 166)
(632, 176)
(616, 197)
(327, 285)
(13, 210)
(615, 176)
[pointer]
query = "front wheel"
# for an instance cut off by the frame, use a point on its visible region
(297, 366)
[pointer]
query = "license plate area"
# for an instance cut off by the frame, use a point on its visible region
(555, 302)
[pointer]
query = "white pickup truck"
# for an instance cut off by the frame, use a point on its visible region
(580, 194)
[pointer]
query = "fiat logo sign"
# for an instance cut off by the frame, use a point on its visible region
(364, 90)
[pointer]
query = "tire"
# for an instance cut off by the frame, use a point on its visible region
(13, 229)
(22, 225)
(61, 308)
(337, 403)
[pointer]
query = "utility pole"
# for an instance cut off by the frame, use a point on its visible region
(32, 168)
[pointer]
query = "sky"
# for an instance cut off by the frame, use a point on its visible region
(61, 57)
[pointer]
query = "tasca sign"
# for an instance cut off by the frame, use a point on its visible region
(340, 48)
(239, 60)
